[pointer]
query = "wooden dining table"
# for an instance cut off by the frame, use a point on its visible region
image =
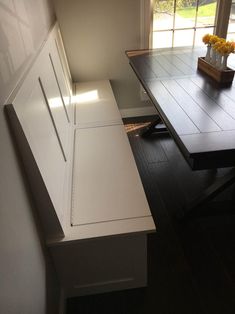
(197, 111)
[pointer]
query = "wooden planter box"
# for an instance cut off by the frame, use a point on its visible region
(223, 77)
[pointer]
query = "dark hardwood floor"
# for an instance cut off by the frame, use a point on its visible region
(191, 266)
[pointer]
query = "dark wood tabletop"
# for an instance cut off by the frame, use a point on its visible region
(197, 111)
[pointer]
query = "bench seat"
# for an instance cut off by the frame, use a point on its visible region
(106, 184)
(95, 104)
(107, 194)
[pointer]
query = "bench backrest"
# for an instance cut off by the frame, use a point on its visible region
(42, 117)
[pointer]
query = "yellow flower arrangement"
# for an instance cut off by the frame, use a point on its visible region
(217, 53)
(219, 44)
(218, 50)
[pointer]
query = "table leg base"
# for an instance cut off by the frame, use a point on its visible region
(201, 206)
(156, 126)
(212, 209)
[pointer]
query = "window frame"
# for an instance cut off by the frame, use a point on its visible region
(146, 21)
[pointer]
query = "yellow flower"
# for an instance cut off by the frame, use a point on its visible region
(213, 39)
(226, 48)
(218, 44)
(206, 39)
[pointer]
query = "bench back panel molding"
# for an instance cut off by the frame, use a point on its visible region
(43, 109)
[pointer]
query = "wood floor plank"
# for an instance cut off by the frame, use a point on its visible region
(152, 151)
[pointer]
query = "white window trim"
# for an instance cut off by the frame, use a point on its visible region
(222, 17)
(146, 21)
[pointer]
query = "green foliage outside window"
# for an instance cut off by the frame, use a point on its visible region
(167, 6)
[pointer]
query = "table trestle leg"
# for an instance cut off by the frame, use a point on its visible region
(201, 206)
(157, 126)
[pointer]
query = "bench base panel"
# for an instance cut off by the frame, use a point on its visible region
(102, 265)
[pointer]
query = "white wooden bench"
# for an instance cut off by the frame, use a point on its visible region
(83, 176)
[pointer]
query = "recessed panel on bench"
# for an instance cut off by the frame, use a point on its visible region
(106, 184)
(41, 131)
(57, 108)
(59, 72)
(96, 105)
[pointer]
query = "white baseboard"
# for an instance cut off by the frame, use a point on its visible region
(138, 111)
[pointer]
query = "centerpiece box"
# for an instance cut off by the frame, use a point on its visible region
(221, 76)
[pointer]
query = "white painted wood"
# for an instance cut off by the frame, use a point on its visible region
(48, 215)
(95, 104)
(63, 84)
(146, 23)
(34, 117)
(56, 106)
(39, 108)
(103, 229)
(63, 58)
(104, 264)
(84, 178)
(106, 182)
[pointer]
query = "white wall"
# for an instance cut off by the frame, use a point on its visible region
(24, 25)
(27, 283)
(96, 35)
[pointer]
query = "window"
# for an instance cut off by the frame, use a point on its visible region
(182, 22)
(153, 36)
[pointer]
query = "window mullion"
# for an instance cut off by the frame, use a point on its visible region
(146, 23)
(173, 30)
(195, 23)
